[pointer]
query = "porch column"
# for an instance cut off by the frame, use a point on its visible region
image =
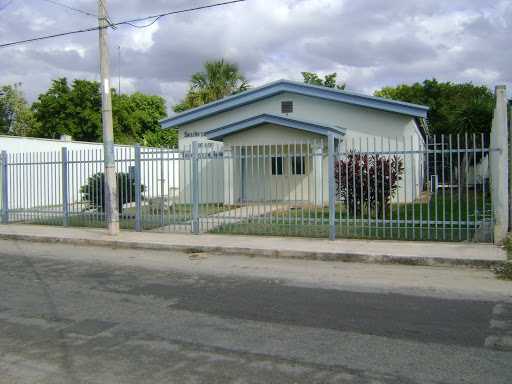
(229, 175)
(317, 190)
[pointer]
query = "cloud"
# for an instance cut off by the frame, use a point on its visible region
(369, 43)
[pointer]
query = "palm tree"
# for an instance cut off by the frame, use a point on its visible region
(219, 79)
(473, 119)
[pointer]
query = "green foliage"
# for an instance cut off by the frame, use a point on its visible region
(330, 80)
(93, 192)
(15, 117)
(507, 246)
(444, 99)
(164, 138)
(219, 79)
(75, 110)
(504, 271)
(71, 110)
(364, 181)
(473, 117)
(136, 115)
(189, 251)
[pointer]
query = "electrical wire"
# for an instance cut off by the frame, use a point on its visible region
(46, 37)
(128, 22)
(74, 9)
(143, 26)
(109, 19)
(1, 9)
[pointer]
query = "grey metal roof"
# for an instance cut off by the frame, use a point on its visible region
(286, 86)
(220, 132)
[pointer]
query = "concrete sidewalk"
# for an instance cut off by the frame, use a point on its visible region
(367, 251)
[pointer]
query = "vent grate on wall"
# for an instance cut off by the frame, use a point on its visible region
(286, 106)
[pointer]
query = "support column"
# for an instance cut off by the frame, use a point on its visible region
(499, 165)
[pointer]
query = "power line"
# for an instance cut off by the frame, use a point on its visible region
(108, 18)
(47, 37)
(175, 12)
(127, 22)
(74, 9)
(1, 9)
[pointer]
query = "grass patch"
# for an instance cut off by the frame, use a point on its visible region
(505, 271)
(444, 218)
(189, 251)
(181, 214)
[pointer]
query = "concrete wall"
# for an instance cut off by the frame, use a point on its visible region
(40, 184)
(354, 118)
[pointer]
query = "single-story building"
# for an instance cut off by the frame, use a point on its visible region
(270, 142)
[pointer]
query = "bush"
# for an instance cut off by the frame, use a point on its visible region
(368, 181)
(94, 191)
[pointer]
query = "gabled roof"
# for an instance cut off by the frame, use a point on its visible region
(285, 86)
(218, 133)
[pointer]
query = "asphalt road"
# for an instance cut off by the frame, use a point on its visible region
(66, 318)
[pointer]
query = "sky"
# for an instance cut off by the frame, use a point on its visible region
(368, 43)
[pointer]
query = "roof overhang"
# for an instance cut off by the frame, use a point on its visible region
(222, 131)
(285, 86)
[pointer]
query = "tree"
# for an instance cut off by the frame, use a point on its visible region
(454, 109)
(136, 115)
(165, 138)
(76, 111)
(70, 110)
(443, 99)
(219, 79)
(473, 119)
(15, 117)
(330, 80)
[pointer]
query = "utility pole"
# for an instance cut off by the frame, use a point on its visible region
(112, 209)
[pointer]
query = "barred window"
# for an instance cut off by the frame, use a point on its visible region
(298, 165)
(277, 165)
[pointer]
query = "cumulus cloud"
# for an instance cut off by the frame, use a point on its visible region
(369, 43)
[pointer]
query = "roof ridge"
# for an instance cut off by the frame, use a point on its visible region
(284, 86)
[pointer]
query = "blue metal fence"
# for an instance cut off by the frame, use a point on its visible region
(376, 188)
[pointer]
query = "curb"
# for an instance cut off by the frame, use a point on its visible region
(269, 253)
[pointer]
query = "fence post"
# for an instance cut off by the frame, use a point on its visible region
(195, 188)
(64, 187)
(5, 189)
(499, 165)
(138, 183)
(330, 177)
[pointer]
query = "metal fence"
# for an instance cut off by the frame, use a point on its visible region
(401, 188)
